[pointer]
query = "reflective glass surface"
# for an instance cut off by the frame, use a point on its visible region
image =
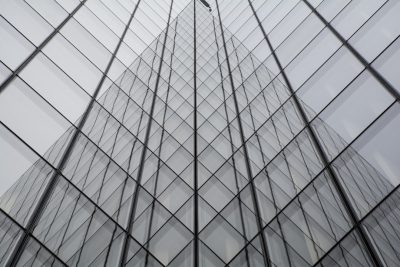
(199, 133)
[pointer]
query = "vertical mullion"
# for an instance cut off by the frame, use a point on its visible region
(263, 242)
(44, 198)
(132, 209)
(195, 166)
(232, 148)
(160, 148)
(341, 191)
(263, 157)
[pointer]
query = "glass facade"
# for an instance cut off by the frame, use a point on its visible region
(199, 133)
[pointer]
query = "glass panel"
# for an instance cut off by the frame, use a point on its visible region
(96, 27)
(250, 257)
(369, 168)
(354, 15)
(37, 255)
(106, 15)
(169, 241)
(73, 63)
(9, 235)
(383, 226)
(86, 43)
(26, 20)
(185, 258)
(328, 81)
(68, 5)
(349, 252)
(350, 113)
(208, 258)
(177, 193)
(57, 88)
(14, 48)
(288, 23)
(378, 32)
(309, 60)
(388, 63)
(216, 193)
(29, 116)
(24, 177)
(303, 34)
(4, 72)
(50, 10)
(76, 230)
(143, 259)
(222, 238)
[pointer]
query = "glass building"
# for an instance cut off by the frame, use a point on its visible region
(200, 133)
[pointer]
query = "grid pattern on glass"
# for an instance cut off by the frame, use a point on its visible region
(233, 128)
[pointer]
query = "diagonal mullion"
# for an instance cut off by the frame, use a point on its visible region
(159, 152)
(391, 90)
(273, 114)
(262, 154)
(39, 48)
(311, 181)
(143, 112)
(262, 237)
(320, 172)
(132, 209)
(339, 187)
(21, 228)
(74, 187)
(38, 211)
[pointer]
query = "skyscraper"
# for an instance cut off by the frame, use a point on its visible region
(199, 133)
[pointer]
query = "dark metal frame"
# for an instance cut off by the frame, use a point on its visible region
(355, 53)
(39, 48)
(54, 179)
(132, 209)
(339, 187)
(195, 162)
(266, 257)
(44, 198)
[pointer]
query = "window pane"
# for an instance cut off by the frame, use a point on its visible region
(351, 112)
(9, 234)
(26, 20)
(56, 87)
(29, 116)
(23, 177)
(383, 226)
(86, 43)
(14, 48)
(328, 81)
(4, 73)
(388, 64)
(379, 31)
(71, 61)
(50, 10)
(369, 168)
